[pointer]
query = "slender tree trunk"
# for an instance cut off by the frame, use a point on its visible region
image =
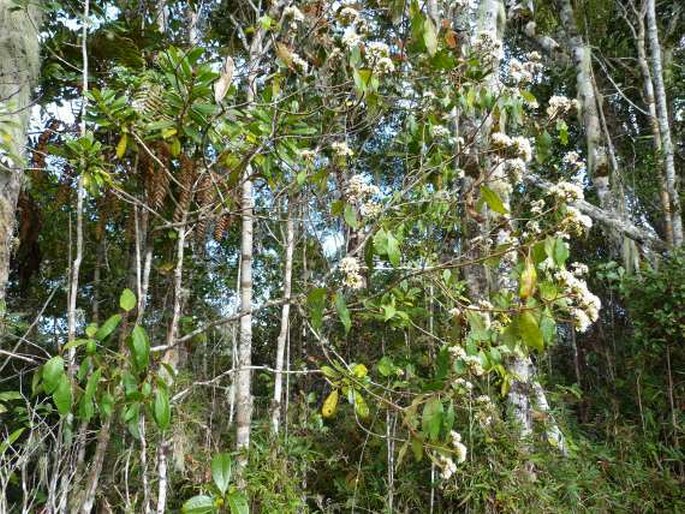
(19, 67)
(597, 159)
(285, 321)
(664, 126)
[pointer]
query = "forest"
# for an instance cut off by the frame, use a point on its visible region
(342, 256)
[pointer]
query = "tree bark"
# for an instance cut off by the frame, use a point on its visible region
(19, 67)
(664, 126)
(285, 321)
(597, 159)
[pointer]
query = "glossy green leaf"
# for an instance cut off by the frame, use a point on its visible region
(161, 409)
(53, 370)
(394, 255)
(108, 327)
(62, 395)
(317, 301)
(221, 471)
(140, 347)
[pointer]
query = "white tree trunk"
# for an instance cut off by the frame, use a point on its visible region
(597, 159)
(664, 126)
(285, 321)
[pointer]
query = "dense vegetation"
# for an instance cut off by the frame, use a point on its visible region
(383, 256)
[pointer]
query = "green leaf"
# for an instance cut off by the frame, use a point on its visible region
(140, 347)
(431, 421)
(394, 254)
(62, 395)
(360, 406)
(343, 312)
(316, 299)
(350, 215)
(360, 371)
(93, 382)
(10, 395)
(108, 327)
(430, 36)
(106, 404)
(200, 504)
(237, 503)
(53, 370)
(530, 331)
(161, 409)
(493, 200)
(329, 372)
(386, 367)
(561, 252)
(127, 300)
(221, 471)
(10, 440)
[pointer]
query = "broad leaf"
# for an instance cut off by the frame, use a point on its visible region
(53, 370)
(530, 331)
(221, 471)
(343, 312)
(62, 395)
(431, 421)
(493, 200)
(161, 409)
(140, 347)
(127, 300)
(108, 327)
(200, 504)
(237, 503)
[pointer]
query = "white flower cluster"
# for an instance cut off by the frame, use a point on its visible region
(459, 448)
(587, 305)
(299, 63)
(364, 195)
(566, 192)
(461, 385)
(348, 15)
(447, 467)
(537, 206)
(457, 352)
(574, 161)
(350, 267)
(486, 410)
(520, 146)
(575, 222)
(488, 46)
(341, 149)
(351, 38)
(439, 131)
(307, 155)
(474, 365)
(378, 57)
(522, 73)
(561, 105)
(293, 13)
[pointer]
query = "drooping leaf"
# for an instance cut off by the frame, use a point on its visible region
(53, 370)
(530, 331)
(330, 404)
(431, 420)
(62, 395)
(430, 36)
(343, 312)
(316, 300)
(493, 200)
(221, 471)
(394, 254)
(121, 145)
(108, 327)
(528, 280)
(161, 409)
(360, 406)
(351, 216)
(140, 347)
